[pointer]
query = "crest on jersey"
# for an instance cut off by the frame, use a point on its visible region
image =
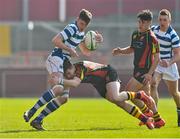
(141, 38)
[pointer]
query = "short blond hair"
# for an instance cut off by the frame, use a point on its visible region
(165, 12)
(85, 15)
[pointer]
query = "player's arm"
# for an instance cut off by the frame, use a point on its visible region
(154, 65)
(176, 49)
(59, 39)
(176, 56)
(72, 82)
(148, 76)
(84, 50)
(126, 50)
(155, 52)
(58, 42)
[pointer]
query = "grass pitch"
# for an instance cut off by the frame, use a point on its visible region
(84, 118)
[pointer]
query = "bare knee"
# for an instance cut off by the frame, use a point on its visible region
(57, 90)
(113, 97)
(116, 99)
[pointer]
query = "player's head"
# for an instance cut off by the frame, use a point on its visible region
(69, 69)
(164, 18)
(83, 19)
(144, 20)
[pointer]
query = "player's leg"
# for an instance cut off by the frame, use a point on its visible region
(173, 90)
(52, 106)
(134, 85)
(54, 66)
(126, 95)
(159, 121)
(154, 86)
(157, 117)
(115, 97)
(47, 96)
(146, 89)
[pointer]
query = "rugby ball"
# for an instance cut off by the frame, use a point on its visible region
(90, 40)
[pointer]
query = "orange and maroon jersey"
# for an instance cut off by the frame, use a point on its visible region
(145, 45)
(96, 74)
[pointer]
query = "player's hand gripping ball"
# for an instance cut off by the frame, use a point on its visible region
(90, 40)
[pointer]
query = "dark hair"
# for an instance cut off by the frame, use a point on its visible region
(165, 12)
(145, 15)
(85, 15)
(67, 65)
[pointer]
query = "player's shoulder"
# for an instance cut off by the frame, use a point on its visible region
(155, 27)
(135, 32)
(73, 26)
(171, 31)
(153, 36)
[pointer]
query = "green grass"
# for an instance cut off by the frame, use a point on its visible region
(79, 118)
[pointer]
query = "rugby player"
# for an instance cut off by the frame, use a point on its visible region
(169, 54)
(65, 44)
(145, 47)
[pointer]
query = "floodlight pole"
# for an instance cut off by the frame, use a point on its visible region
(62, 10)
(29, 25)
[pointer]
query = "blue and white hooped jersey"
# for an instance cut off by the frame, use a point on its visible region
(72, 37)
(167, 40)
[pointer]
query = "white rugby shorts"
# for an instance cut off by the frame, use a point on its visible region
(170, 73)
(54, 64)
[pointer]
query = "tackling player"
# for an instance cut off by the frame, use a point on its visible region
(105, 79)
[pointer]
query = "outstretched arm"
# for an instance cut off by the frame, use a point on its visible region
(126, 50)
